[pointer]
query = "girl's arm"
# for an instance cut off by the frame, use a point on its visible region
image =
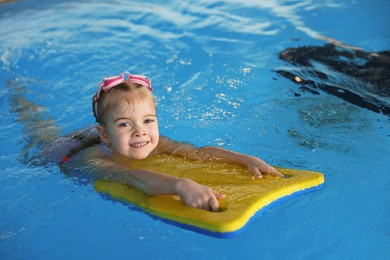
(150, 182)
(255, 165)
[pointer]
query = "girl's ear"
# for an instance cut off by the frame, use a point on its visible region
(103, 134)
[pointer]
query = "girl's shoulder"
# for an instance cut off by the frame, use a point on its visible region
(169, 146)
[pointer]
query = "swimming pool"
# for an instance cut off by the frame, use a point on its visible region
(213, 66)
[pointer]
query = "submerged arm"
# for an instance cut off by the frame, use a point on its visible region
(208, 153)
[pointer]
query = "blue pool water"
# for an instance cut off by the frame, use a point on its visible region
(213, 65)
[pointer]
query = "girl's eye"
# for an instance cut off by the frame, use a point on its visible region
(148, 121)
(124, 124)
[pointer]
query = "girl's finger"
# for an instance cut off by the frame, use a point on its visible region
(257, 174)
(275, 172)
(213, 204)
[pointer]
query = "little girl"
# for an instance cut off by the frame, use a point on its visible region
(125, 110)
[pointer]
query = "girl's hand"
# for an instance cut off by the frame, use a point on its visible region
(258, 167)
(198, 196)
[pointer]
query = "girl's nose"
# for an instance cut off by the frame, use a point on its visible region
(139, 131)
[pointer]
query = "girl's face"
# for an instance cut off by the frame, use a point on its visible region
(131, 130)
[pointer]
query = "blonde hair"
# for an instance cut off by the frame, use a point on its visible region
(118, 96)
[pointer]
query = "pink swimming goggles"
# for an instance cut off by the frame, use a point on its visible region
(110, 82)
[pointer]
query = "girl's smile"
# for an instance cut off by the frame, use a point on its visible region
(139, 145)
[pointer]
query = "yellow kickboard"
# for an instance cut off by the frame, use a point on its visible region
(245, 196)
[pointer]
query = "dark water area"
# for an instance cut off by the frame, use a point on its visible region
(356, 76)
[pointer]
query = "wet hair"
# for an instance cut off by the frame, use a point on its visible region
(125, 93)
